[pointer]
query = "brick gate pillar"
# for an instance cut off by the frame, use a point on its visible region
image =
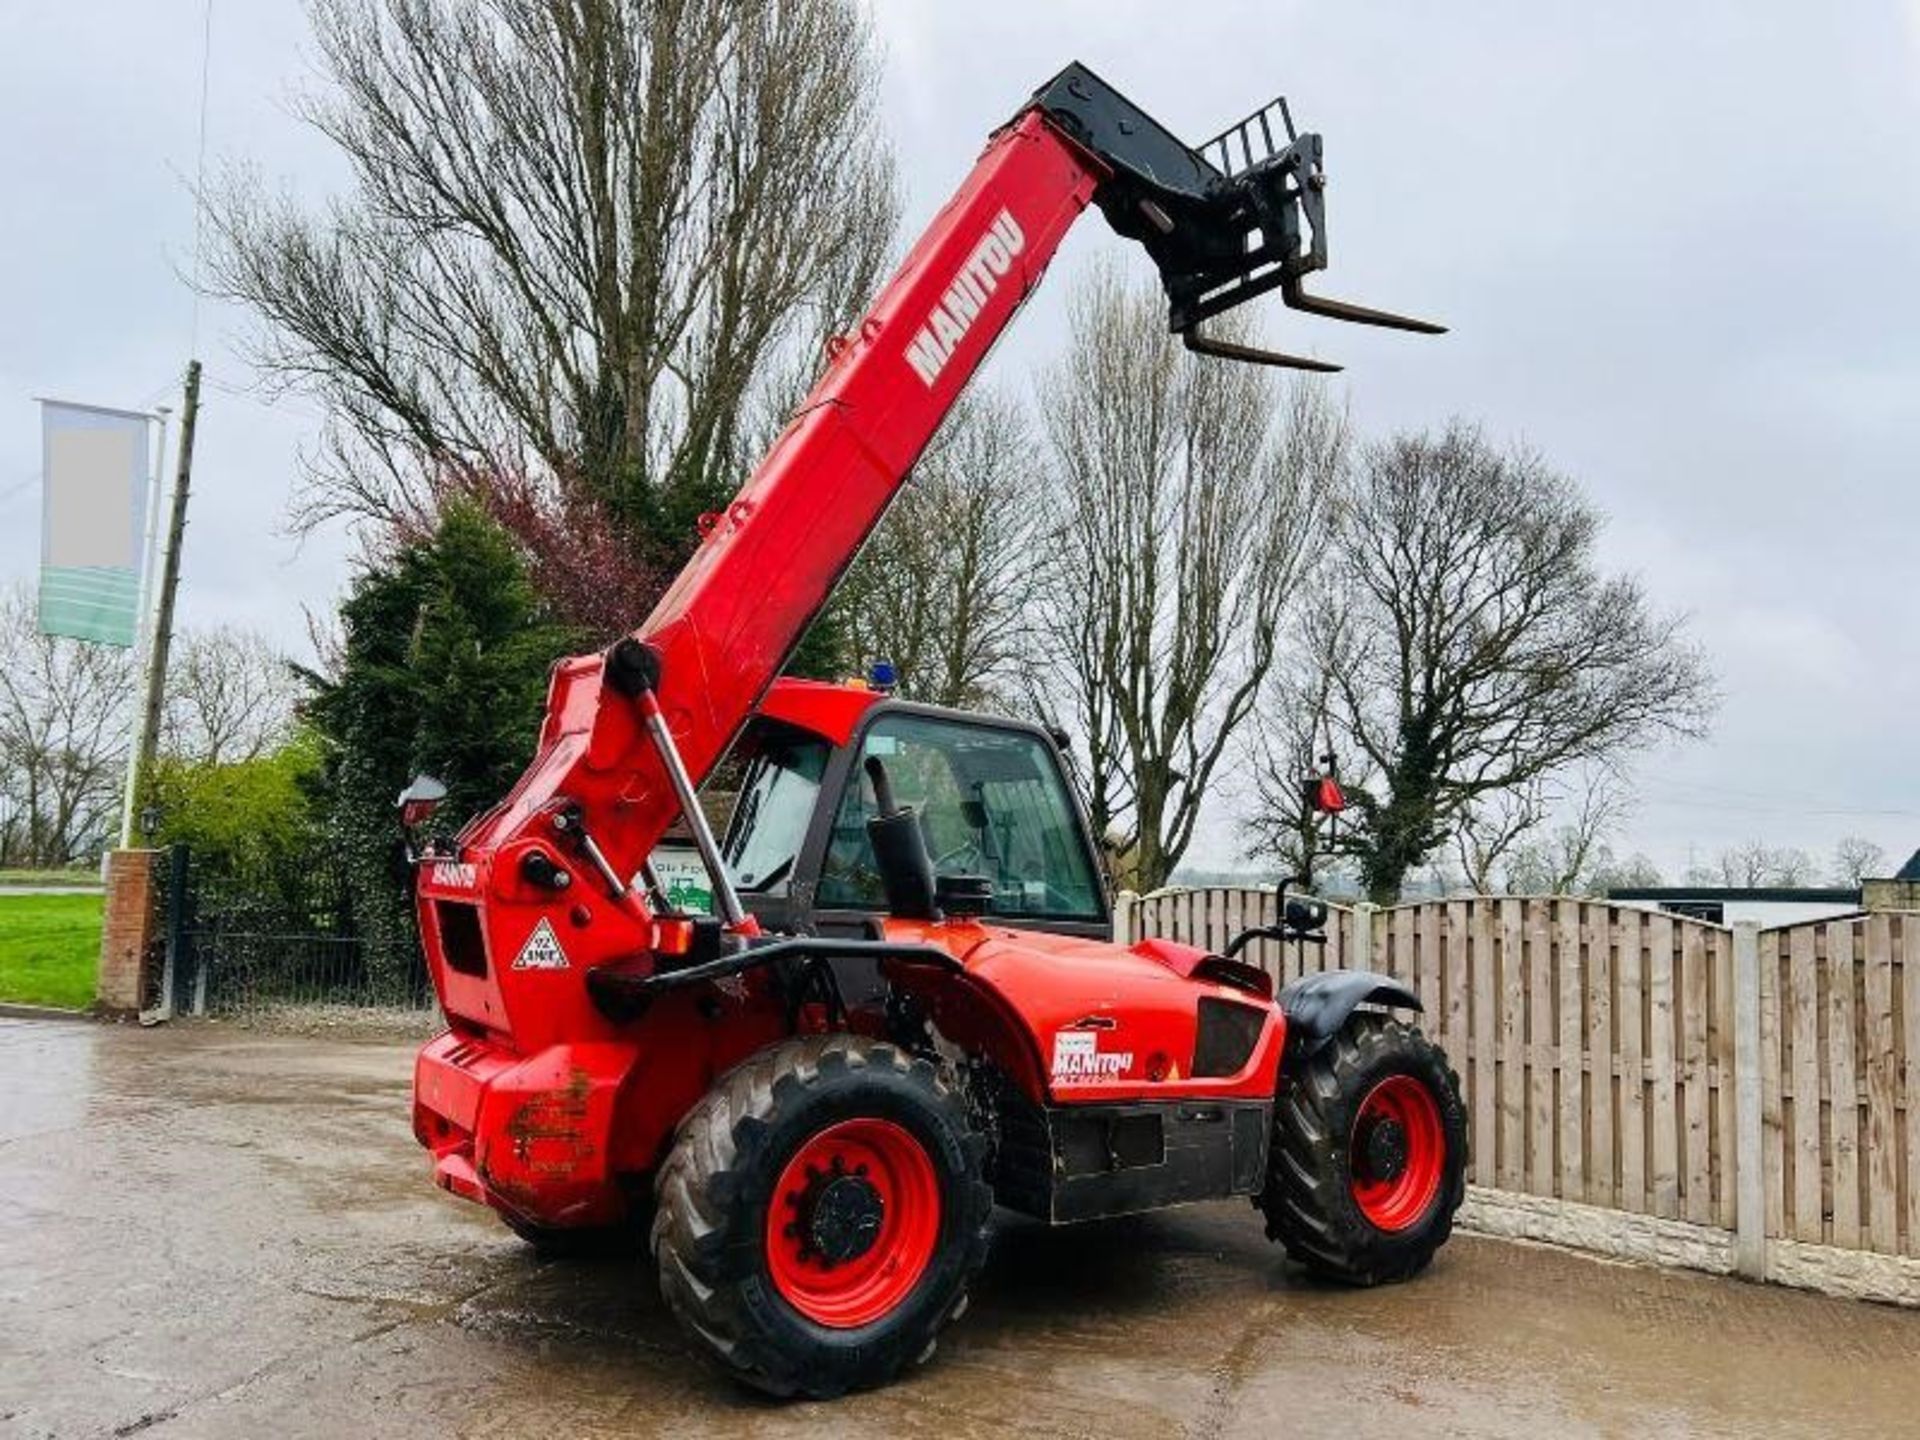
(127, 931)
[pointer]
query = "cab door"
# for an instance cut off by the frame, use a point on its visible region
(993, 801)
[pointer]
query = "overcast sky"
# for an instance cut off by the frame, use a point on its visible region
(1675, 244)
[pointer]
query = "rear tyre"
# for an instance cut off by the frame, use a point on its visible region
(1369, 1155)
(820, 1215)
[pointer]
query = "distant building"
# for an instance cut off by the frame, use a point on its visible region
(1768, 905)
(1780, 904)
(1899, 891)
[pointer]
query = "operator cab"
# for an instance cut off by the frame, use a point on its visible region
(991, 794)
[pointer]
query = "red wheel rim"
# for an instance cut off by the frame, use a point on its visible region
(846, 1274)
(1397, 1153)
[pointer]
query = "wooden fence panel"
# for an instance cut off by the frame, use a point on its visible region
(1909, 993)
(1663, 1136)
(1629, 1023)
(1879, 1060)
(1803, 1088)
(1603, 1148)
(1725, 1098)
(1477, 924)
(1510, 1082)
(1774, 1016)
(1842, 1162)
(1597, 1050)
(1443, 926)
(1696, 1173)
(1571, 1050)
(1542, 1052)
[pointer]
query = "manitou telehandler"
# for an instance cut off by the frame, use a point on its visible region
(907, 1006)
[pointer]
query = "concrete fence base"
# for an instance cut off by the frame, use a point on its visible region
(1679, 1244)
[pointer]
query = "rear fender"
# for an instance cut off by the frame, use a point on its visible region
(1317, 1006)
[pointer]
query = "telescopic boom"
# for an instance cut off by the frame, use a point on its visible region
(1232, 219)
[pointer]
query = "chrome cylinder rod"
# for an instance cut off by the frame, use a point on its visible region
(725, 898)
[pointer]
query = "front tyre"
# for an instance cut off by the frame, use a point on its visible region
(820, 1215)
(1369, 1155)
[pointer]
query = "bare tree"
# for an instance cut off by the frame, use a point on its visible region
(1757, 865)
(1857, 858)
(1182, 503)
(230, 697)
(1574, 858)
(64, 712)
(1471, 646)
(1288, 743)
(942, 587)
(585, 237)
(1494, 830)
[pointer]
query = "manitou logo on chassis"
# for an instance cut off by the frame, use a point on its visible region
(948, 322)
(1079, 1060)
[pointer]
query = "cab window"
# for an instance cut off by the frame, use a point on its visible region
(991, 803)
(778, 787)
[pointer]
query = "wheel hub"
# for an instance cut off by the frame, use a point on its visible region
(854, 1223)
(845, 1219)
(1383, 1151)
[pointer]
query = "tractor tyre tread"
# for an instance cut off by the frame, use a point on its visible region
(711, 1196)
(1308, 1198)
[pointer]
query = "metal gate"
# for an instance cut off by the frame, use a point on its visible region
(238, 945)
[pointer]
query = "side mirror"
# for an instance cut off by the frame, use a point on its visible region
(419, 800)
(1303, 915)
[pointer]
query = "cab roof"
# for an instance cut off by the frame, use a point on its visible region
(832, 712)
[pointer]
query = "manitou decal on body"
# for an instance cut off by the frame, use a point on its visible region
(542, 950)
(1079, 1060)
(454, 874)
(948, 322)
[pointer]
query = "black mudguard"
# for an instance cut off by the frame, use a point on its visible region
(1317, 1006)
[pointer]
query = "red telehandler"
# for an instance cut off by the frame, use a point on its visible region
(908, 1005)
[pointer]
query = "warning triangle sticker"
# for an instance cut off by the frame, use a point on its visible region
(542, 950)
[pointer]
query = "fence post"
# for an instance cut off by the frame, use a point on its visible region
(1124, 905)
(1360, 953)
(1749, 1156)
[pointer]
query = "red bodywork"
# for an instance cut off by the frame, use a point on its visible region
(535, 1101)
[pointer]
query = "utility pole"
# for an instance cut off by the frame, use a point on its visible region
(149, 738)
(149, 580)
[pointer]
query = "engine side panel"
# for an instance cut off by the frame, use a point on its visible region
(1111, 1025)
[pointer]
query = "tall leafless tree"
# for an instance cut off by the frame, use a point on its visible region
(586, 238)
(1182, 504)
(1471, 646)
(1857, 858)
(1757, 864)
(941, 590)
(1494, 830)
(1575, 856)
(64, 711)
(230, 697)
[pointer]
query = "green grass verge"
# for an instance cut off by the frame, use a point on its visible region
(49, 949)
(85, 875)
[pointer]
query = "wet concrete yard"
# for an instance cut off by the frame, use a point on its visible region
(210, 1232)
